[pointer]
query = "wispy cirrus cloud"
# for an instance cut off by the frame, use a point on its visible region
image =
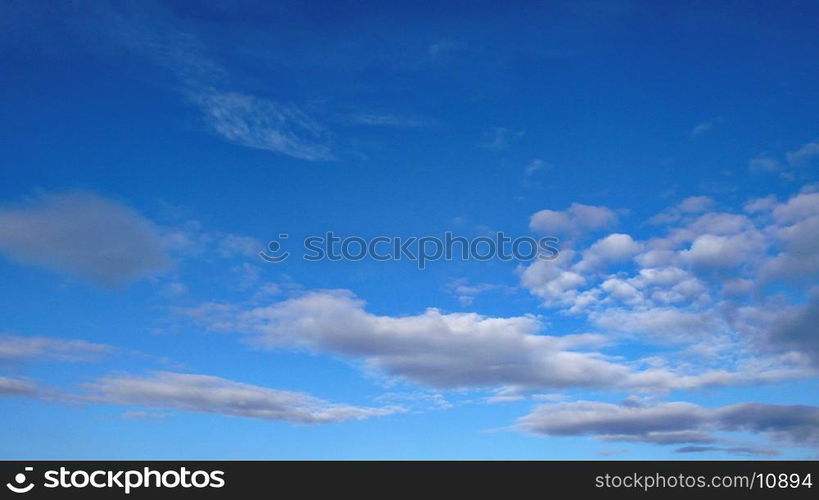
(384, 119)
(260, 123)
(705, 126)
(162, 39)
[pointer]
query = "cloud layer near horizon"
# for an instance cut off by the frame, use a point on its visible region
(675, 422)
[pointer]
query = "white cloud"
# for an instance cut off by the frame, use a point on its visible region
(456, 350)
(765, 164)
(208, 394)
(263, 124)
(798, 208)
(688, 206)
(17, 387)
(674, 422)
(578, 218)
(663, 323)
(702, 286)
(441, 350)
(16, 348)
(705, 126)
(466, 291)
(804, 154)
(380, 119)
(613, 248)
(82, 234)
(232, 245)
(535, 166)
(499, 138)
(551, 281)
(241, 118)
(715, 251)
(798, 329)
(787, 168)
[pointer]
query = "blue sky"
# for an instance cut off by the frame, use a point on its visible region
(151, 151)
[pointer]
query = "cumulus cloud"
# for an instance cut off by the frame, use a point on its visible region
(455, 350)
(84, 235)
(614, 248)
(554, 282)
(578, 218)
(674, 422)
(434, 348)
(725, 289)
(208, 394)
(17, 348)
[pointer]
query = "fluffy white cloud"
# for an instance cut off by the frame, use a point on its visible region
(457, 350)
(800, 207)
(703, 285)
(710, 251)
(578, 218)
(208, 394)
(551, 281)
(84, 235)
(613, 248)
(441, 350)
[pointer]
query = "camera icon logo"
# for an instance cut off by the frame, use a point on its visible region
(20, 479)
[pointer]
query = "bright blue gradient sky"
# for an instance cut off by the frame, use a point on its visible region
(149, 152)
